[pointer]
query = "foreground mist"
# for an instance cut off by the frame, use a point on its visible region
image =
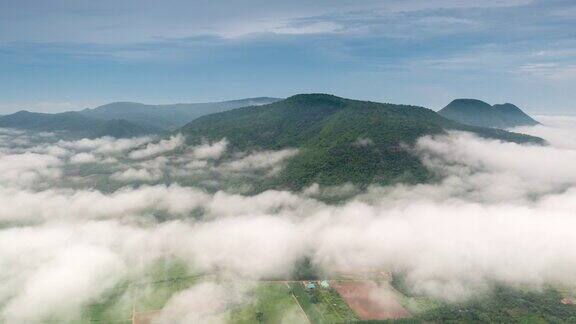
(78, 218)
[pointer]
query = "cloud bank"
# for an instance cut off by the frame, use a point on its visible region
(502, 212)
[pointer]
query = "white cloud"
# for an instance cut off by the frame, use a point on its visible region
(320, 27)
(105, 145)
(210, 150)
(81, 158)
(163, 146)
(66, 267)
(27, 168)
(260, 160)
(497, 169)
(206, 302)
(417, 5)
(53, 204)
(60, 287)
(550, 70)
(560, 131)
(224, 19)
(133, 174)
(363, 142)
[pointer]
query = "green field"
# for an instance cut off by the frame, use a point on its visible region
(322, 305)
(270, 303)
(291, 302)
(145, 292)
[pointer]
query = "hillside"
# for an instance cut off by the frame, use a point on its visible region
(340, 140)
(513, 116)
(73, 124)
(479, 113)
(167, 117)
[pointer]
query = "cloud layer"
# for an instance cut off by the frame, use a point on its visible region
(501, 212)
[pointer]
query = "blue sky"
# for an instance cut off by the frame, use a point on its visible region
(70, 54)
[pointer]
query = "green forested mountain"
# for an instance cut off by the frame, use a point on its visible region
(340, 140)
(74, 124)
(167, 117)
(479, 113)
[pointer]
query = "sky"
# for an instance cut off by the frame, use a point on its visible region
(58, 55)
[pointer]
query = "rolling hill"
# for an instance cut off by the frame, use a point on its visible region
(122, 119)
(74, 124)
(479, 113)
(167, 117)
(340, 140)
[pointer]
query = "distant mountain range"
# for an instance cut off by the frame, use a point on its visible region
(168, 117)
(479, 113)
(340, 140)
(126, 119)
(74, 124)
(122, 119)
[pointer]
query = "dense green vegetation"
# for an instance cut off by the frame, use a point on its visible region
(507, 305)
(340, 140)
(304, 269)
(478, 113)
(501, 304)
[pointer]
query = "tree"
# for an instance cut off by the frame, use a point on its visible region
(260, 317)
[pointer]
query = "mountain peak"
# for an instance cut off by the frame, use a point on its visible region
(325, 129)
(23, 112)
(468, 103)
(479, 113)
(316, 103)
(316, 98)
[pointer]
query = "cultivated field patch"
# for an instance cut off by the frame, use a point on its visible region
(371, 301)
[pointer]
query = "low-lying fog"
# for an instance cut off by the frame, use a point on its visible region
(503, 212)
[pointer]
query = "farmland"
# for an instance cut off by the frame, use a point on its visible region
(142, 298)
(149, 292)
(371, 301)
(271, 302)
(341, 300)
(322, 305)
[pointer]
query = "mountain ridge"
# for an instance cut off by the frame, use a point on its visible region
(122, 119)
(74, 124)
(479, 113)
(167, 116)
(325, 128)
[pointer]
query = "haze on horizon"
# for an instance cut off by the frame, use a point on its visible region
(59, 55)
